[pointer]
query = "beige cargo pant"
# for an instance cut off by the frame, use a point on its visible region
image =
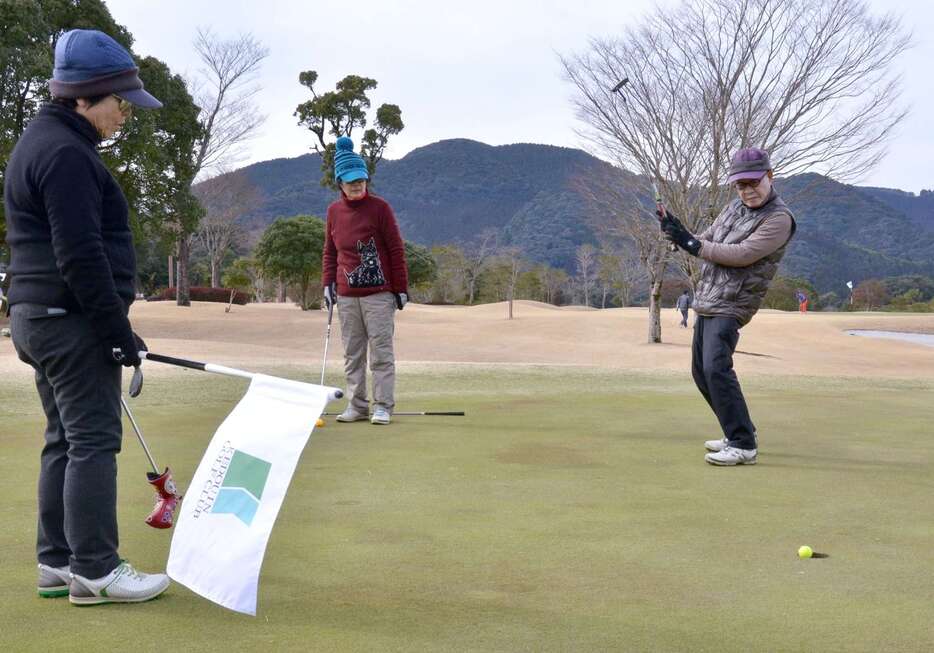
(369, 322)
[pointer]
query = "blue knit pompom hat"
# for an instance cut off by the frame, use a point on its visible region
(348, 165)
(89, 63)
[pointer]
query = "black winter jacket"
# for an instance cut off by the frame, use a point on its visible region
(68, 224)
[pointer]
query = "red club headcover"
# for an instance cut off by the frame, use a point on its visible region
(166, 499)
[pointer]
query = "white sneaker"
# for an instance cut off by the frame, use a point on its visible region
(732, 456)
(123, 585)
(716, 445)
(351, 415)
(380, 416)
(53, 581)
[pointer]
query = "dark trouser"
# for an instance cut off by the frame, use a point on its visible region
(80, 394)
(715, 341)
(684, 317)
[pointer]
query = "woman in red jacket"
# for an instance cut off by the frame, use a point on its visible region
(365, 274)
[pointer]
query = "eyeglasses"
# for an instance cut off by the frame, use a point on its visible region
(125, 106)
(744, 184)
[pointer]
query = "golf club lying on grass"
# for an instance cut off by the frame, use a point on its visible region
(428, 413)
(213, 368)
(167, 496)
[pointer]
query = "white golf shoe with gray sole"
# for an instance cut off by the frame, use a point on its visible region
(351, 415)
(380, 416)
(123, 585)
(53, 581)
(732, 456)
(716, 445)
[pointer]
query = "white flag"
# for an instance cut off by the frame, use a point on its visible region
(234, 497)
(849, 284)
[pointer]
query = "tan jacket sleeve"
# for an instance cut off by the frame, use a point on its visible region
(769, 237)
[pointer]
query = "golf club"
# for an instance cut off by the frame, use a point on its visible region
(659, 205)
(327, 340)
(167, 497)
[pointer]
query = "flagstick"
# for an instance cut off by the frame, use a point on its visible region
(213, 368)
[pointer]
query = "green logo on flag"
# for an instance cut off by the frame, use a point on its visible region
(242, 488)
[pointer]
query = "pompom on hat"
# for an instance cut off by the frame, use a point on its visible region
(89, 63)
(348, 165)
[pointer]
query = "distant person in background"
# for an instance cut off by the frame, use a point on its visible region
(73, 271)
(740, 251)
(683, 305)
(802, 301)
(365, 275)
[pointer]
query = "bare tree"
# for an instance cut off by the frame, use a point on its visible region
(552, 280)
(226, 91)
(811, 81)
(629, 274)
(606, 270)
(586, 260)
(476, 257)
(225, 198)
(512, 257)
(448, 286)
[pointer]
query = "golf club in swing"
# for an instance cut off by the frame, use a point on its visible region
(659, 205)
(167, 497)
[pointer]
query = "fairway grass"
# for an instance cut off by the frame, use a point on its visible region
(570, 510)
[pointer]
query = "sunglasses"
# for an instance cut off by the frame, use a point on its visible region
(125, 106)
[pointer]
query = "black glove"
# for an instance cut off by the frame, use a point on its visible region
(676, 233)
(330, 295)
(127, 353)
(402, 298)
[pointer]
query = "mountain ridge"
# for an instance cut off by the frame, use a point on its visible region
(451, 190)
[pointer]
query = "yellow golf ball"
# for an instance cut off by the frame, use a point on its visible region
(805, 552)
(319, 423)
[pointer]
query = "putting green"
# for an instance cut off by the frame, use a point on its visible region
(571, 510)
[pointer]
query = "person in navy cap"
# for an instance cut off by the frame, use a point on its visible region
(73, 270)
(740, 253)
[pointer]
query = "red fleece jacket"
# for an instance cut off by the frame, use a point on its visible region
(363, 249)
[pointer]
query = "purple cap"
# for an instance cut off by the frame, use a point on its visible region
(749, 163)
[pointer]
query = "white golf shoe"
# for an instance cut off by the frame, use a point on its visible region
(123, 585)
(351, 415)
(380, 416)
(716, 445)
(732, 456)
(53, 581)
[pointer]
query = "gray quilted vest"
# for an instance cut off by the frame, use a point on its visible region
(738, 292)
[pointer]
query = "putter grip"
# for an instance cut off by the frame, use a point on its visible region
(169, 360)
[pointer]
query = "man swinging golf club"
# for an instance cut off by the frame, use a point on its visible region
(365, 275)
(73, 273)
(741, 251)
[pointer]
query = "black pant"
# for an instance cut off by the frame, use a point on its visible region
(715, 341)
(684, 317)
(80, 393)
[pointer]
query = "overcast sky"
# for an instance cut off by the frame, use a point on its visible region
(485, 70)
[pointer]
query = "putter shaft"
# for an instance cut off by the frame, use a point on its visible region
(139, 435)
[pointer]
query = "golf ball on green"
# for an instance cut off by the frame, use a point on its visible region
(805, 552)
